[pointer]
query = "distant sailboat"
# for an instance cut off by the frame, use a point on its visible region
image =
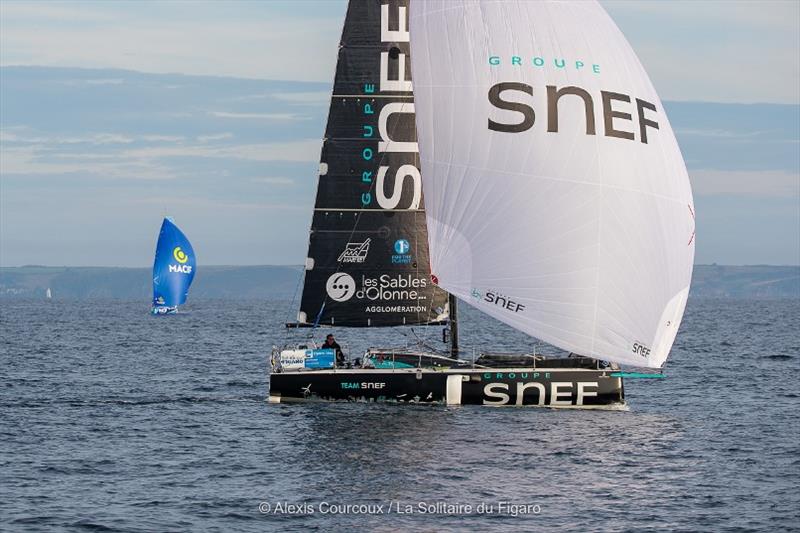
(48, 294)
(173, 269)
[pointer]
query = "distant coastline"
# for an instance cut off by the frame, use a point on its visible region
(281, 282)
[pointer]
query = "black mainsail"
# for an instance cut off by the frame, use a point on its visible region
(368, 262)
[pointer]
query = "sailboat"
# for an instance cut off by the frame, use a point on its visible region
(48, 294)
(529, 171)
(173, 269)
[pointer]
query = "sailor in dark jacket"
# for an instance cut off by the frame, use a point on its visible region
(331, 343)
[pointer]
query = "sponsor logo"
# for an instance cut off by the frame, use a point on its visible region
(181, 269)
(493, 297)
(401, 246)
(401, 293)
(616, 110)
(639, 348)
(341, 287)
(388, 287)
(179, 255)
(559, 393)
(396, 309)
(355, 252)
(622, 116)
(160, 300)
(401, 256)
(541, 62)
(363, 385)
(403, 181)
(293, 360)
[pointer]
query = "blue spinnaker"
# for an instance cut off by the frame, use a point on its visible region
(174, 267)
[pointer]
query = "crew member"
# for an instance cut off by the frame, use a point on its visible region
(331, 343)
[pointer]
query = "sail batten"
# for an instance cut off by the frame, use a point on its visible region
(557, 200)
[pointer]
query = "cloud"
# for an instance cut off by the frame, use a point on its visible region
(251, 40)
(215, 137)
(44, 155)
(22, 135)
(260, 116)
(299, 98)
(305, 98)
(764, 14)
(52, 12)
(36, 159)
(163, 138)
(98, 81)
(724, 134)
(732, 52)
(199, 202)
(753, 184)
(273, 181)
(299, 151)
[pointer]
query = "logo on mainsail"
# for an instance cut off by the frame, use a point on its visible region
(179, 255)
(401, 257)
(401, 246)
(340, 287)
(354, 252)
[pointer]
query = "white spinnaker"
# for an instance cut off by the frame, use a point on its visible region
(590, 236)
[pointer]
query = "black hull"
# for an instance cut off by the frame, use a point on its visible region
(557, 387)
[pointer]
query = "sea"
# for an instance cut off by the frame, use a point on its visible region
(114, 420)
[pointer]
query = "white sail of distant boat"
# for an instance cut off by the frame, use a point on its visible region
(48, 294)
(557, 198)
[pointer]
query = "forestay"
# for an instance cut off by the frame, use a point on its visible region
(557, 198)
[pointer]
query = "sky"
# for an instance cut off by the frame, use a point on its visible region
(114, 114)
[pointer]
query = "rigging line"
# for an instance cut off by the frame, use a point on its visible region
(424, 344)
(294, 294)
(319, 315)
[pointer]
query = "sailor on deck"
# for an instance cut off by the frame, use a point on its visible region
(331, 343)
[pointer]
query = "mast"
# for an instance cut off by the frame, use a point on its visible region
(452, 302)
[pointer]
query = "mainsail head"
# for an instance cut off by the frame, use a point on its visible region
(174, 266)
(368, 250)
(557, 198)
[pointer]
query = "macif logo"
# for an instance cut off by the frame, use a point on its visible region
(183, 269)
(179, 255)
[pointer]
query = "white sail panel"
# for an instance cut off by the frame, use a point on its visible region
(557, 198)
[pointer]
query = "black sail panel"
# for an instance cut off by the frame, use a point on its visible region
(368, 249)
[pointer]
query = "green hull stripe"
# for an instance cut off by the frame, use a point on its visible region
(637, 375)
